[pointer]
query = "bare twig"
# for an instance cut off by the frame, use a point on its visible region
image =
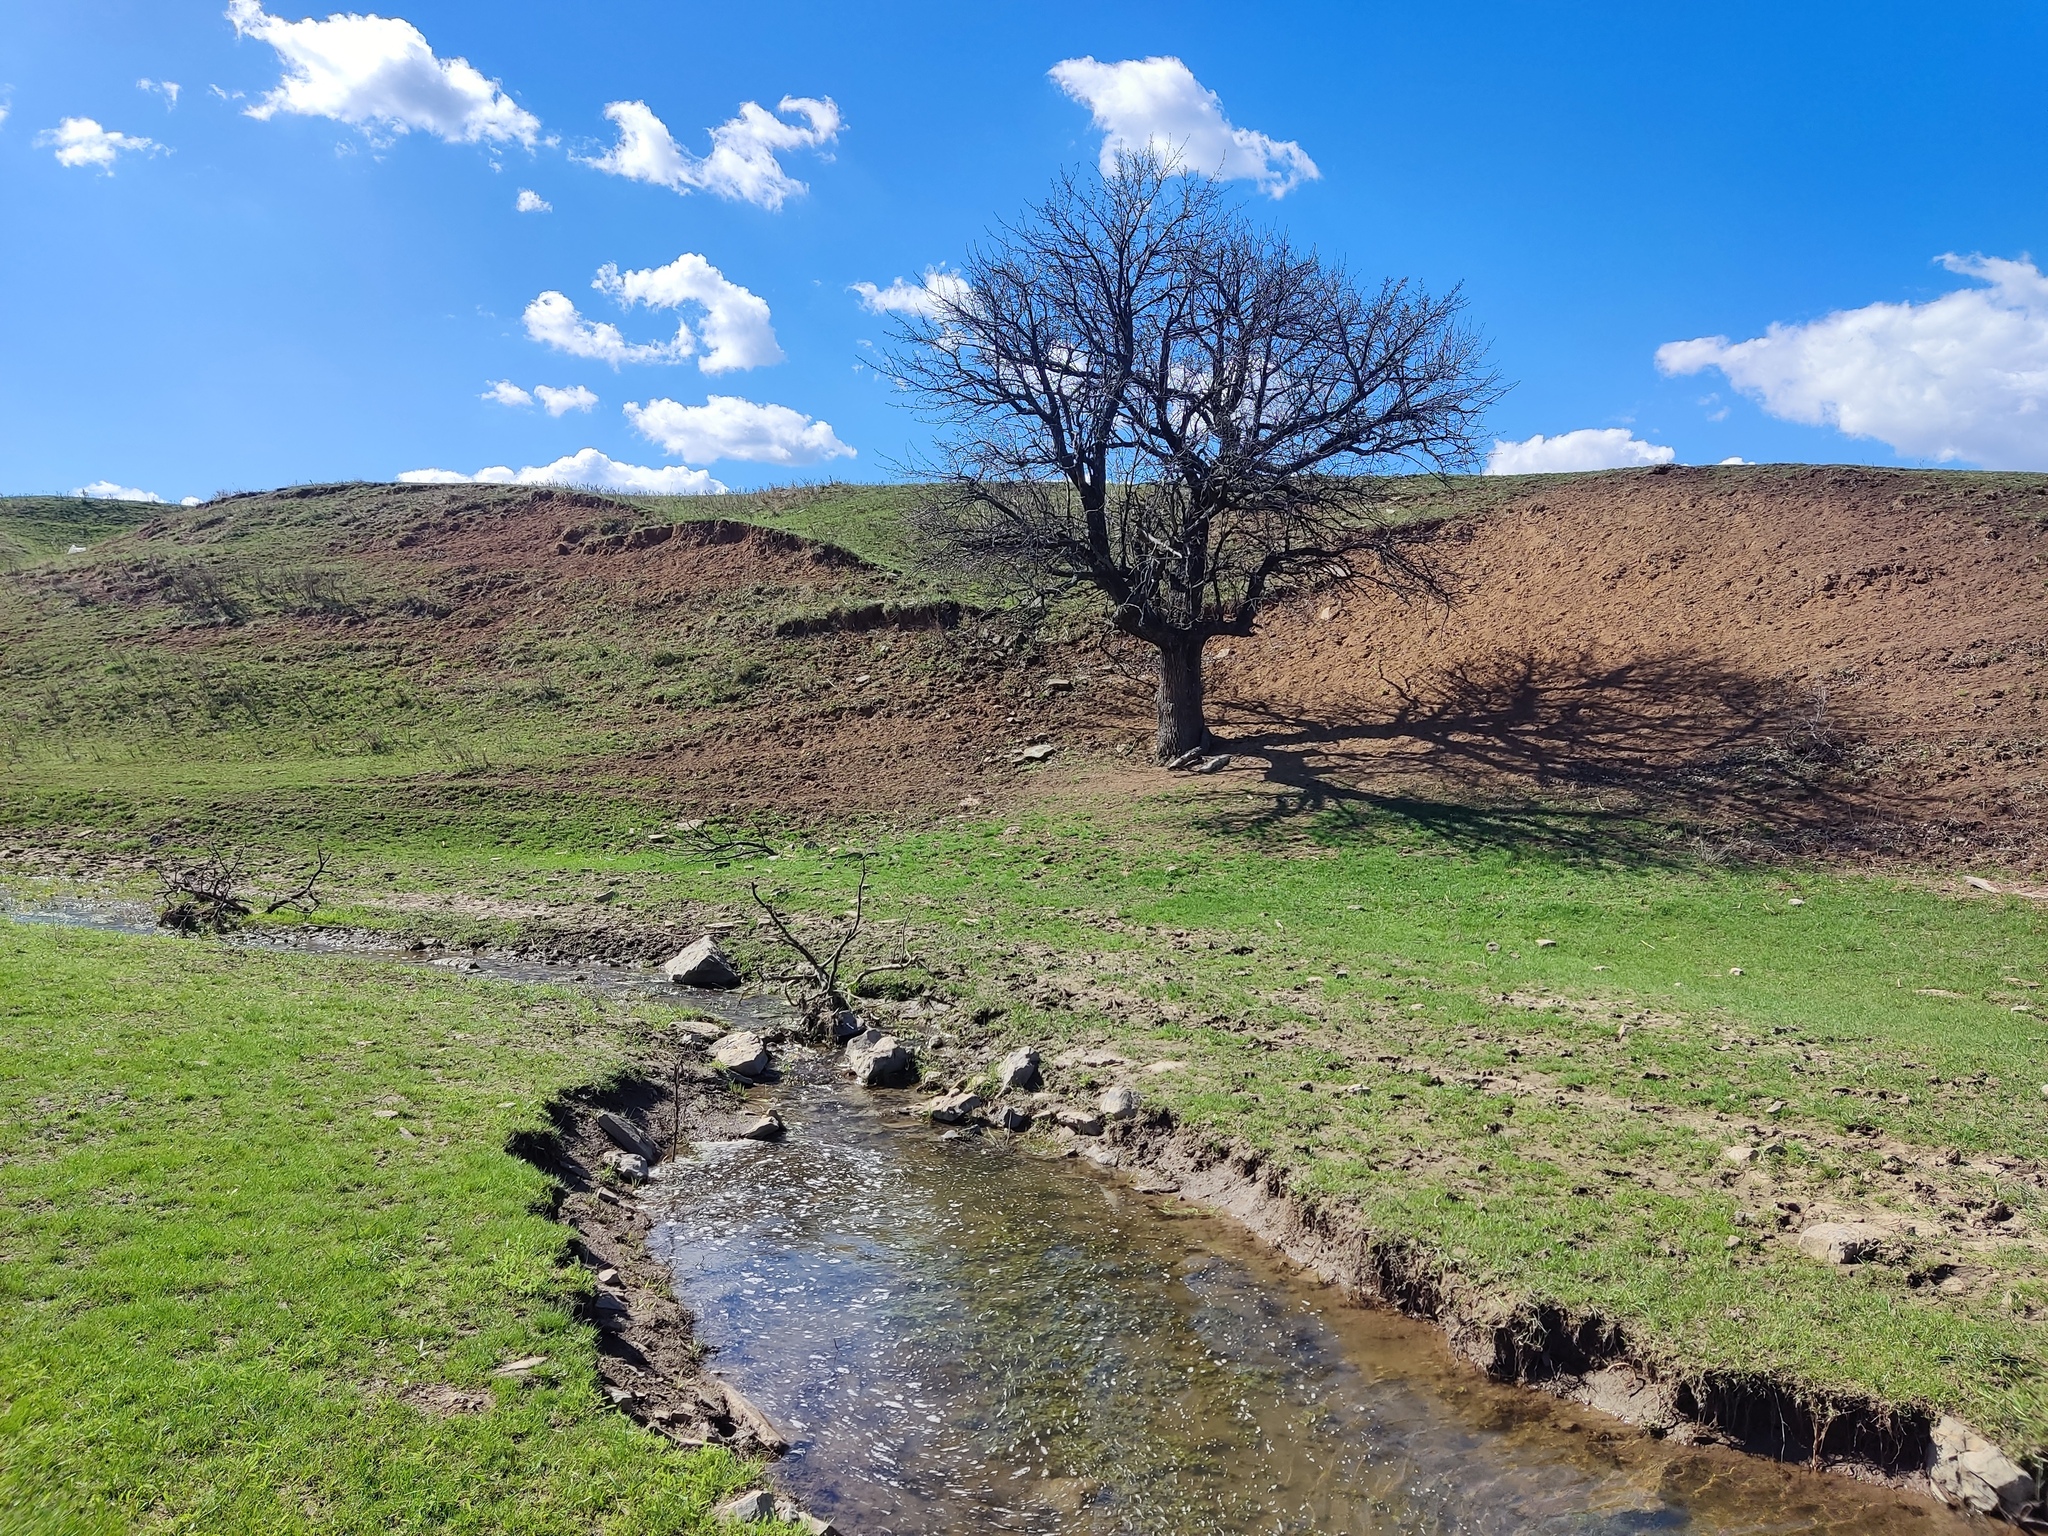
(305, 898)
(827, 993)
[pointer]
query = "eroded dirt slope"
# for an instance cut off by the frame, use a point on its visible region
(1798, 653)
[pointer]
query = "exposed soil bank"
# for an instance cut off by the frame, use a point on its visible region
(657, 1373)
(1584, 1358)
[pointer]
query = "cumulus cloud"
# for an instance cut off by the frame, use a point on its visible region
(1569, 452)
(938, 289)
(4, 110)
(742, 164)
(735, 331)
(1158, 105)
(108, 490)
(559, 402)
(554, 321)
(727, 427)
(377, 73)
(79, 141)
(1964, 376)
(168, 89)
(556, 402)
(589, 467)
(532, 202)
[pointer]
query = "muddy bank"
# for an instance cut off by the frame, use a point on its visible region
(649, 1363)
(1581, 1357)
(656, 1370)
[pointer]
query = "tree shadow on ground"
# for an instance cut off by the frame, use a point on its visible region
(1649, 759)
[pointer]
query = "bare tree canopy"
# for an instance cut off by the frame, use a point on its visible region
(1140, 391)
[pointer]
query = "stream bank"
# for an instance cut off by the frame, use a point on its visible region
(616, 1219)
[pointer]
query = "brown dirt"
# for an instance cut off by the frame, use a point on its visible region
(1806, 657)
(1820, 660)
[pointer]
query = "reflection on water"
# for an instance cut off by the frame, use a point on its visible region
(961, 1337)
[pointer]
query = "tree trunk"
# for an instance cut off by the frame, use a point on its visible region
(1181, 726)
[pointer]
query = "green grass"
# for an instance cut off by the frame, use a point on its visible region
(1547, 1120)
(36, 528)
(222, 1269)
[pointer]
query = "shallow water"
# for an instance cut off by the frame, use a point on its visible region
(958, 1335)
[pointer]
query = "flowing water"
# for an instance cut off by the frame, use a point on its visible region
(959, 1335)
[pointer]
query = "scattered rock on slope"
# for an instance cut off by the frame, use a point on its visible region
(1019, 1070)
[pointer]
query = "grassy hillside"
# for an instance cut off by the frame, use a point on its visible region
(37, 528)
(1505, 957)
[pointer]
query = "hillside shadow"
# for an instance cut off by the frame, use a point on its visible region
(1609, 760)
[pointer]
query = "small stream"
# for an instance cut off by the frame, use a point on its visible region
(960, 1334)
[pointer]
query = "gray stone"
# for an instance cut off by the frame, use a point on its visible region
(1119, 1103)
(1019, 1071)
(703, 1031)
(754, 1504)
(768, 1128)
(876, 1060)
(703, 964)
(1741, 1152)
(1038, 753)
(1970, 1472)
(954, 1108)
(631, 1165)
(742, 1052)
(628, 1137)
(1840, 1242)
(788, 1510)
(1079, 1121)
(1012, 1118)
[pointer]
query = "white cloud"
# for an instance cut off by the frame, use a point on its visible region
(727, 427)
(532, 202)
(1735, 459)
(1964, 376)
(742, 163)
(107, 490)
(190, 501)
(1570, 452)
(587, 468)
(505, 392)
(79, 141)
(4, 110)
(559, 402)
(735, 329)
(905, 298)
(553, 321)
(1158, 105)
(168, 89)
(377, 72)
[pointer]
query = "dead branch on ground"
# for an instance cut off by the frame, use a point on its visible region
(824, 995)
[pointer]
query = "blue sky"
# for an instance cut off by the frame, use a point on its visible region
(198, 298)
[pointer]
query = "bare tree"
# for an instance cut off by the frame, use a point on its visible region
(1140, 391)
